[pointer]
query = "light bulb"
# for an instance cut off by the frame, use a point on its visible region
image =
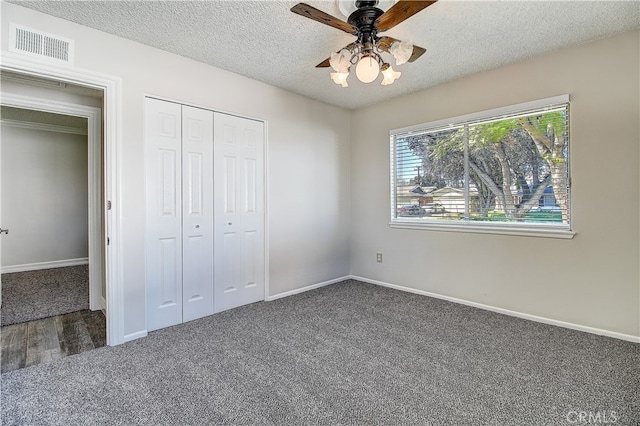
(389, 74)
(367, 69)
(340, 78)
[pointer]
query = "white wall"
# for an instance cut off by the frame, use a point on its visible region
(591, 280)
(44, 196)
(308, 154)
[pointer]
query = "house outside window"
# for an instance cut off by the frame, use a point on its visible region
(499, 171)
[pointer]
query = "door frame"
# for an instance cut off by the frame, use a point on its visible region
(111, 87)
(94, 148)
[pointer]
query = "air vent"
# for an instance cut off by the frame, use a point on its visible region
(36, 43)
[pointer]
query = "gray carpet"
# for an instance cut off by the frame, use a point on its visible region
(32, 295)
(346, 354)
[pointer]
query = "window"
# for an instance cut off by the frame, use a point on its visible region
(499, 171)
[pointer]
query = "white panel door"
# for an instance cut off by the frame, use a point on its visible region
(163, 213)
(197, 213)
(239, 211)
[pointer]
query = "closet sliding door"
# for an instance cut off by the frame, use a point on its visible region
(202, 256)
(197, 213)
(179, 194)
(163, 158)
(239, 211)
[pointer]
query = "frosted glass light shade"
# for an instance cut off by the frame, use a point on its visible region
(389, 75)
(367, 69)
(340, 78)
(402, 51)
(341, 61)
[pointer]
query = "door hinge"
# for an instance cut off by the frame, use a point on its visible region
(108, 241)
(108, 205)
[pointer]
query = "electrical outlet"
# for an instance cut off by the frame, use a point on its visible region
(379, 257)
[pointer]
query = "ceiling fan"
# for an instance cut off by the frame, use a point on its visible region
(365, 23)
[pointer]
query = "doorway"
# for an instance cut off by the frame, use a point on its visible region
(52, 177)
(110, 86)
(45, 192)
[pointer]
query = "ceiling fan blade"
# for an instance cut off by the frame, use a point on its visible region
(326, 64)
(322, 17)
(400, 11)
(384, 43)
(417, 52)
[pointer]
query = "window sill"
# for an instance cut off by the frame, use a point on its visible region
(492, 228)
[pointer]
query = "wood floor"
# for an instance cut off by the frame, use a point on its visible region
(48, 339)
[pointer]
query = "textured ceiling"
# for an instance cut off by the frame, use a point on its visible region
(263, 40)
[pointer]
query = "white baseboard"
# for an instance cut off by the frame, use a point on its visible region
(593, 330)
(307, 288)
(44, 265)
(134, 336)
(143, 333)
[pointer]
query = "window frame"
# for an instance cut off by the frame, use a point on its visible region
(501, 228)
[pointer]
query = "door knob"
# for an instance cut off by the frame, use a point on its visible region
(4, 231)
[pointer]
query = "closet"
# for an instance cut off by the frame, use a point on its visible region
(204, 180)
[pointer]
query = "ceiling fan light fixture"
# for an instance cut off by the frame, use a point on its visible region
(389, 75)
(367, 69)
(365, 22)
(340, 78)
